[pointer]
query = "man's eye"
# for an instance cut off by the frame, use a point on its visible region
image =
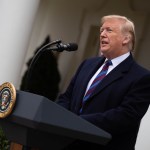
(101, 31)
(109, 30)
(106, 30)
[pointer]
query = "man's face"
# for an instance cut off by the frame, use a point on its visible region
(111, 38)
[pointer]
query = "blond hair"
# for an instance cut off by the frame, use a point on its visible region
(127, 26)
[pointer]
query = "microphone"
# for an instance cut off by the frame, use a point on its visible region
(50, 46)
(68, 47)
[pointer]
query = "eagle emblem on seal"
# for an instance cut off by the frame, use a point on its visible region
(7, 99)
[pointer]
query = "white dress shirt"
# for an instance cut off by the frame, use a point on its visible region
(115, 62)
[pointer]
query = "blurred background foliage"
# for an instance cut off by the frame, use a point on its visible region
(4, 142)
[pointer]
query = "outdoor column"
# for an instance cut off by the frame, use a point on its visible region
(16, 21)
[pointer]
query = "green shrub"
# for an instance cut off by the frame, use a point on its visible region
(4, 142)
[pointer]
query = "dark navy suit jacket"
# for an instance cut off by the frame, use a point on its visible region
(117, 105)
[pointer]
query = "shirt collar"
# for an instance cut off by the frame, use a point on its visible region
(116, 61)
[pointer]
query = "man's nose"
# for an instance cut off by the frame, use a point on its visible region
(103, 33)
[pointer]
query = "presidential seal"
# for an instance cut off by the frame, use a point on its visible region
(7, 99)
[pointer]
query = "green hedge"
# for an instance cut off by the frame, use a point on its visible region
(4, 143)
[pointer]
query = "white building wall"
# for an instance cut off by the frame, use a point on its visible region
(16, 19)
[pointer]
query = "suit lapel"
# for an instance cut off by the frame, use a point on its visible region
(90, 70)
(114, 75)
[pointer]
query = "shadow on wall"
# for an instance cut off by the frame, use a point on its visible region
(45, 78)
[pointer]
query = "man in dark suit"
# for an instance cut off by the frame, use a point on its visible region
(120, 100)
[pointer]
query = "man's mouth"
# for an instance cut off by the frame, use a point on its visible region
(104, 42)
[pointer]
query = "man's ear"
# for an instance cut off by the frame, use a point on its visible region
(126, 39)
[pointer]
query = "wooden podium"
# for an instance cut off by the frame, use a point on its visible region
(38, 123)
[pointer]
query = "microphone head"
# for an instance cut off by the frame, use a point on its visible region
(68, 47)
(71, 47)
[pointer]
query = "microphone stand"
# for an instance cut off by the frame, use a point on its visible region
(36, 57)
